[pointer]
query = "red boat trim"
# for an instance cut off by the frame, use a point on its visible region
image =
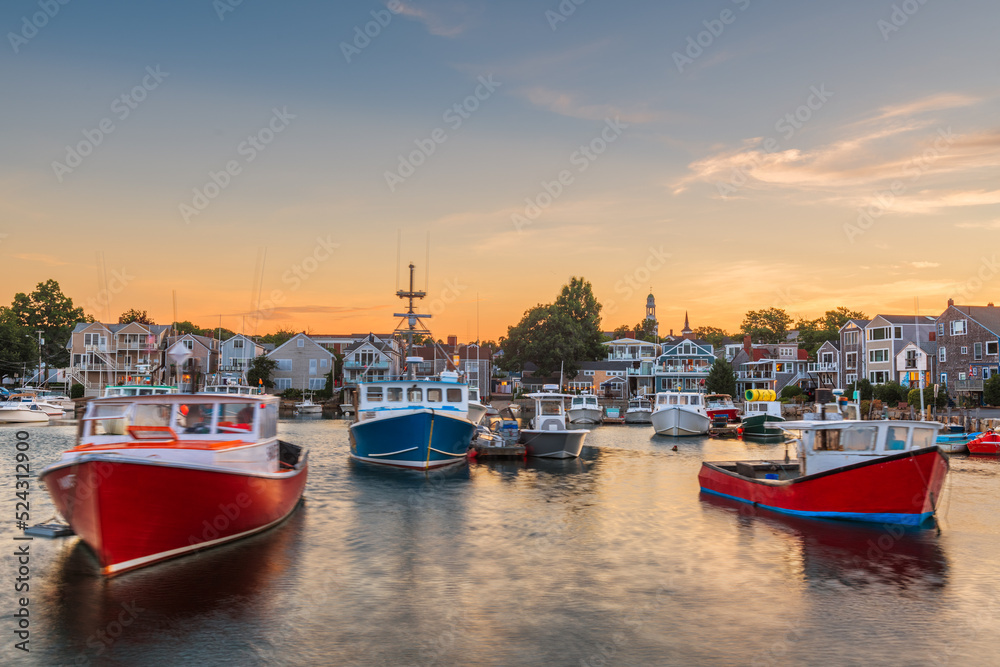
(934, 449)
(118, 568)
(87, 458)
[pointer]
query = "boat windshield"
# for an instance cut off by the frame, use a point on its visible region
(852, 439)
(550, 408)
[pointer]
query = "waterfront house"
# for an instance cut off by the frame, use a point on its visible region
(683, 365)
(967, 340)
(371, 359)
(826, 369)
(236, 354)
(637, 358)
(885, 336)
(103, 354)
(192, 374)
(771, 366)
(302, 364)
(852, 341)
(915, 360)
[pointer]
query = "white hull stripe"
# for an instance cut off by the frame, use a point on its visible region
(408, 464)
(448, 453)
(402, 451)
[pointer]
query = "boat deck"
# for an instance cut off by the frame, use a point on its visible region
(775, 470)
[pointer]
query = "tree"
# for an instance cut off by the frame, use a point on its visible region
(260, 369)
(862, 385)
(578, 301)
(890, 393)
(913, 398)
(326, 393)
(187, 327)
(766, 326)
(791, 392)
(991, 390)
(712, 335)
(622, 332)
(50, 311)
(646, 330)
(721, 379)
(133, 315)
(278, 337)
(813, 333)
(18, 346)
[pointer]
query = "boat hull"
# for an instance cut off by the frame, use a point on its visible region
(730, 414)
(584, 415)
(762, 426)
(988, 444)
(310, 410)
(476, 412)
(20, 416)
(901, 489)
(638, 416)
(421, 439)
(135, 513)
(552, 444)
(677, 422)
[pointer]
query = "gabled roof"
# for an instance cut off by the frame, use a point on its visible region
(904, 319)
(832, 343)
(860, 324)
(371, 339)
(295, 338)
(115, 328)
(986, 316)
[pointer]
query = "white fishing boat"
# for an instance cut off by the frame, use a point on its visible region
(138, 390)
(49, 408)
(680, 413)
(585, 409)
(17, 412)
(307, 407)
(639, 411)
(549, 436)
(477, 410)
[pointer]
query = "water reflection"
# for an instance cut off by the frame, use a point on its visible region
(87, 610)
(854, 554)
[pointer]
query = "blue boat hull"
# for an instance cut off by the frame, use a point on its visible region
(425, 439)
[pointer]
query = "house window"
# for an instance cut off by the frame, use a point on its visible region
(284, 364)
(852, 360)
(879, 333)
(300, 342)
(977, 351)
(238, 344)
(940, 328)
(986, 372)
(876, 356)
(961, 377)
(316, 384)
(313, 365)
(991, 347)
(911, 358)
(965, 350)
(323, 363)
(897, 333)
(942, 355)
(944, 379)
(827, 357)
(851, 338)
(958, 328)
(189, 344)
(281, 384)
(588, 373)
(878, 377)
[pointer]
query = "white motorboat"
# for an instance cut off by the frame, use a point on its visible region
(680, 413)
(585, 409)
(476, 408)
(307, 407)
(16, 412)
(639, 411)
(548, 436)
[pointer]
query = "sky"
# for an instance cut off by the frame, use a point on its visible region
(266, 165)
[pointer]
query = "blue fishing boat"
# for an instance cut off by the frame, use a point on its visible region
(410, 422)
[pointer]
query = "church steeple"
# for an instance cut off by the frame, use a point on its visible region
(651, 312)
(686, 331)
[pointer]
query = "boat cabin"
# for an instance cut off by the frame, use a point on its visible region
(666, 399)
(719, 402)
(550, 411)
(237, 389)
(377, 399)
(769, 408)
(139, 390)
(825, 445)
(584, 402)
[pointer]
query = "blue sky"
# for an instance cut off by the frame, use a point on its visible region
(901, 93)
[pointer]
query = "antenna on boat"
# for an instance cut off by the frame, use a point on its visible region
(399, 243)
(427, 260)
(260, 287)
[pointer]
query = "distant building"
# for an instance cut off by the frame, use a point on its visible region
(826, 369)
(302, 364)
(968, 343)
(683, 365)
(771, 366)
(107, 354)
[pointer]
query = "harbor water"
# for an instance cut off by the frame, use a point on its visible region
(611, 559)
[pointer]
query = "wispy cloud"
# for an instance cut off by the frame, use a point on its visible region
(47, 260)
(925, 265)
(991, 224)
(569, 104)
(444, 19)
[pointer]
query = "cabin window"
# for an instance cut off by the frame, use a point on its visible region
(268, 420)
(965, 349)
(942, 355)
(895, 439)
(454, 395)
(147, 414)
(394, 394)
(110, 419)
(434, 395)
(300, 343)
(827, 440)
(236, 417)
(374, 394)
(195, 418)
(922, 437)
(977, 351)
(672, 400)
(859, 438)
(415, 395)
(551, 408)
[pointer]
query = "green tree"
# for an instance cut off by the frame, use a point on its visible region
(187, 327)
(890, 393)
(133, 315)
(721, 379)
(260, 369)
(646, 330)
(624, 331)
(565, 333)
(991, 390)
(913, 398)
(813, 333)
(712, 335)
(326, 393)
(50, 311)
(18, 346)
(769, 325)
(791, 391)
(278, 337)
(862, 385)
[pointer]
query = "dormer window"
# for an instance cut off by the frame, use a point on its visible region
(958, 328)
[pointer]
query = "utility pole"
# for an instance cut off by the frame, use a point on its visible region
(41, 341)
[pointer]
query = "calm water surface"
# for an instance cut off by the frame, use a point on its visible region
(612, 559)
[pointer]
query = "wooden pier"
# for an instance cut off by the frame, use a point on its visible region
(498, 452)
(727, 431)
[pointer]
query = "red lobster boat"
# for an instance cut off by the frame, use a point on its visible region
(987, 443)
(878, 471)
(155, 477)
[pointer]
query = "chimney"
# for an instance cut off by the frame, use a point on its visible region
(453, 341)
(989, 305)
(951, 302)
(748, 346)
